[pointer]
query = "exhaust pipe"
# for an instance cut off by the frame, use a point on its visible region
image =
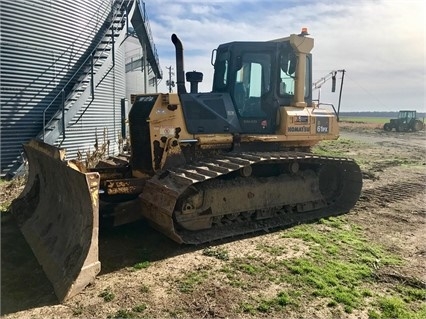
(180, 73)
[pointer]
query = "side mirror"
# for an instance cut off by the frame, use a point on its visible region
(238, 62)
(288, 64)
(213, 57)
(333, 83)
(284, 64)
(292, 64)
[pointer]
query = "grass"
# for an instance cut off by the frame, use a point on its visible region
(339, 262)
(372, 120)
(218, 253)
(144, 289)
(77, 310)
(134, 313)
(412, 294)
(144, 256)
(4, 207)
(187, 283)
(362, 153)
(339, 269)
(107, 295)
(142, 265)
(9, 190)
(139, 308)
(279, 303)
(273, 250)
(395, 307)
(122, 313)
(340, 147)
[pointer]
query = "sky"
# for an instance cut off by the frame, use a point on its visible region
(379, 43)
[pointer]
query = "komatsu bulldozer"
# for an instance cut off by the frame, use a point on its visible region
(202, 166)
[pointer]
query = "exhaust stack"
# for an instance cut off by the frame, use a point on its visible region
(180, 73)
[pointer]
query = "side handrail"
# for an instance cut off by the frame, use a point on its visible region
(332, 105)
(141, 4)
(114, 15)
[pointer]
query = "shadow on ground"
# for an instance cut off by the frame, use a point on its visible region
(24, 284)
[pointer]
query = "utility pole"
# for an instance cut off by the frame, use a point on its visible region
(169, 82)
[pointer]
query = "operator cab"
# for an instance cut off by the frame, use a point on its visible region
(407, 115)
(259, 77)
(252, 81)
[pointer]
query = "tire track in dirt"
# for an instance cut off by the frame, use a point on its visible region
(385, 195)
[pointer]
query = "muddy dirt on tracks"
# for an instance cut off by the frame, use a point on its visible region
(145, 274)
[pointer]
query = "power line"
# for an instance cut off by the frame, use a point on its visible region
(366, 91)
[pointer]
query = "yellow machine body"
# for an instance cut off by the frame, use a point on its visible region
(202, 166)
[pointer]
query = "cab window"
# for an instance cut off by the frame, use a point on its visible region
(287, 74)
(221, 71)
(286, 85)
(252, 81)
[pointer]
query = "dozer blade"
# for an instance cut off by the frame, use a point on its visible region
(58, 215)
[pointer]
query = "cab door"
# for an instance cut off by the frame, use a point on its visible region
(252, 92)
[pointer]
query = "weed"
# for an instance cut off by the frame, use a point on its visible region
(421, 313)
(107, 295)
(265, 306)
(375, 120)
(366, 293)
(248, 308)
(10, 190)
(412, 294)
(141, 265)
(144, 257)
(4, 207)
(139, 308)
(339, 262)
(249, 268)
(218, 253)
(190, 280)
(373, 314)
(121, 314)
(176, 313)
(77, 311)
(234, 278)
(393, 307)
(268, 305)
(144, 289)
(338, 147)
(330, 148)
(272, 249)
(325, 150)
(283, 299)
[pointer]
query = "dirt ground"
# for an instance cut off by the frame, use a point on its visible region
(391, 212)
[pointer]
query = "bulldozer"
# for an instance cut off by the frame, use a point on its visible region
(202, 166)
(406, 121)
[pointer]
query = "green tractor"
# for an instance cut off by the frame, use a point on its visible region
(406, 121)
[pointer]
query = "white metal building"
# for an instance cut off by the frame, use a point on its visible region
(66, 70)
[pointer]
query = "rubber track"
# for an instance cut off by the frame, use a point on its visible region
(173, 183)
